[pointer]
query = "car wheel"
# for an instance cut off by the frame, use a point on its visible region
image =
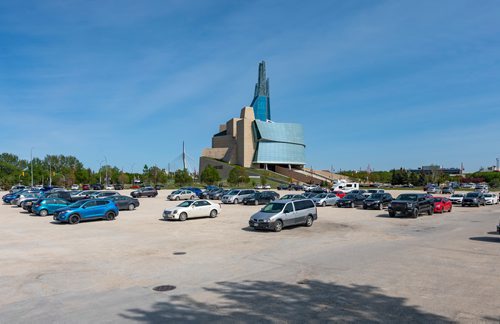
(449, 211)
(44, 212)
(236, 201)
(392, 214)
(192, 197)
(323, 204)
(278, 226)
(364, 207)
(213, 213)
(74, 219)
(110, 216)
(430, 211)
(256, 202)
(441, 211)
(177, 198)
(131, 207)
(414, 213)
(380, 206)
(352, 205)
(183, 217)
(309, 221)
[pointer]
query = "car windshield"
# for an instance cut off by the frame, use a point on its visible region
(407, 197)
(473, 194)
(437, 199)
(376, 196)
(350, 196)
(488, 195)
(77, 204)
(273, 208)
(233, 192)
(287, 197)
(457, 195)
(176, 192)
(321, 196)
(185, 204)
(372, 191)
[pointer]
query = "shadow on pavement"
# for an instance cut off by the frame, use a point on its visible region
(486, 239)
(272, 301)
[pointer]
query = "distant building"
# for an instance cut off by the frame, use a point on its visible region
(429, 169)
(253, 140)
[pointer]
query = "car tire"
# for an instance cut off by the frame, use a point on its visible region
(323, 204)
(441, 211)
(392, 214)
(191, 198)
(430, 211)
(213, 213)
(131, 207)
(364, 207)
(256, 202)
(44, 212)
(183, 217)
(74, 219)
(236, 201)
(177, 198)
(414, 213)
(352, 205)
(110, 216)
(309, 221)
(278, 226)
(451, 207)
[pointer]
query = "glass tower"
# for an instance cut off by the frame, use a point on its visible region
(260, 102)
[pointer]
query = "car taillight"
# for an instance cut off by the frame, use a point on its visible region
(37, 205)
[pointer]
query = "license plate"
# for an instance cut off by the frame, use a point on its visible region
(255, 224)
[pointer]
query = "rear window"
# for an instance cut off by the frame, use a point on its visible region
(303, 204)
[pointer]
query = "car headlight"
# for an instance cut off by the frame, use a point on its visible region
(174, 212)
(409, 204)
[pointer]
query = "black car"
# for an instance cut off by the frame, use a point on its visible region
(125, 202)
(205, 194)
(284, 187)
(411, 205)
(96, 186)
(218, 194)
(118, 186)
(351, 200)
(159, 187)
(474, 199)
(144, 192)
(259, 198)
(377, 201)
(27, 204)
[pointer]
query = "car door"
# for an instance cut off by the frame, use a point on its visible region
(288, 215)
(101, 208)
(203, 208)
(121, 202)
(88, 209)
(59, 203)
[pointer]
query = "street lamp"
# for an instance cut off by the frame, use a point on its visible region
(100, 166)
(106, 166)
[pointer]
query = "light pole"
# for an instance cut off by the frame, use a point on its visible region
(50, 174)
(106, 167)
(100, 166)
(133, 176)
(31, 158)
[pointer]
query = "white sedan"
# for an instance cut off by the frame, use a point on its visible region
(491, 198)
(191, 209)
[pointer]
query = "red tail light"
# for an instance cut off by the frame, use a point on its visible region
(37, 205)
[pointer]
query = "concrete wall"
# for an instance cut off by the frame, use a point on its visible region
(221, 167)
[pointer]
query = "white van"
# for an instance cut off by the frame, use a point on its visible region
(344, 186)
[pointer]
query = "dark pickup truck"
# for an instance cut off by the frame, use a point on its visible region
(411, 205)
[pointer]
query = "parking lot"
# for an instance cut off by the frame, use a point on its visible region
(351, 265)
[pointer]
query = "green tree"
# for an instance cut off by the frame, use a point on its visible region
(182, 177)
(238, 175)
(263, 180)
(209, 175)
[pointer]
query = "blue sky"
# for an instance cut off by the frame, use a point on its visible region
(385, 83)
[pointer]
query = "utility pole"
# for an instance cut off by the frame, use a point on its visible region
(50, 174)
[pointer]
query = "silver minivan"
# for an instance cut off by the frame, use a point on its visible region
(282, 213)
(236, 196)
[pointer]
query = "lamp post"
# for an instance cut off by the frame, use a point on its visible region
(133, 176)
(106, 167)
(31, 161)
(100, 166)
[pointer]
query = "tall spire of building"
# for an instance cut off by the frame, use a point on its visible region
(261, 103)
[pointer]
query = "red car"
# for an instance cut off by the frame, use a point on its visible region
(442, 204)
(339, 194)
(85, 187)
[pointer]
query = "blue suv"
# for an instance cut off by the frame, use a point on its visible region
(47, 206)
(86, 210)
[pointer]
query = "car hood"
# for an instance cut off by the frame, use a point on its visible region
(262, 215)
(372, 200)
(403, 201)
